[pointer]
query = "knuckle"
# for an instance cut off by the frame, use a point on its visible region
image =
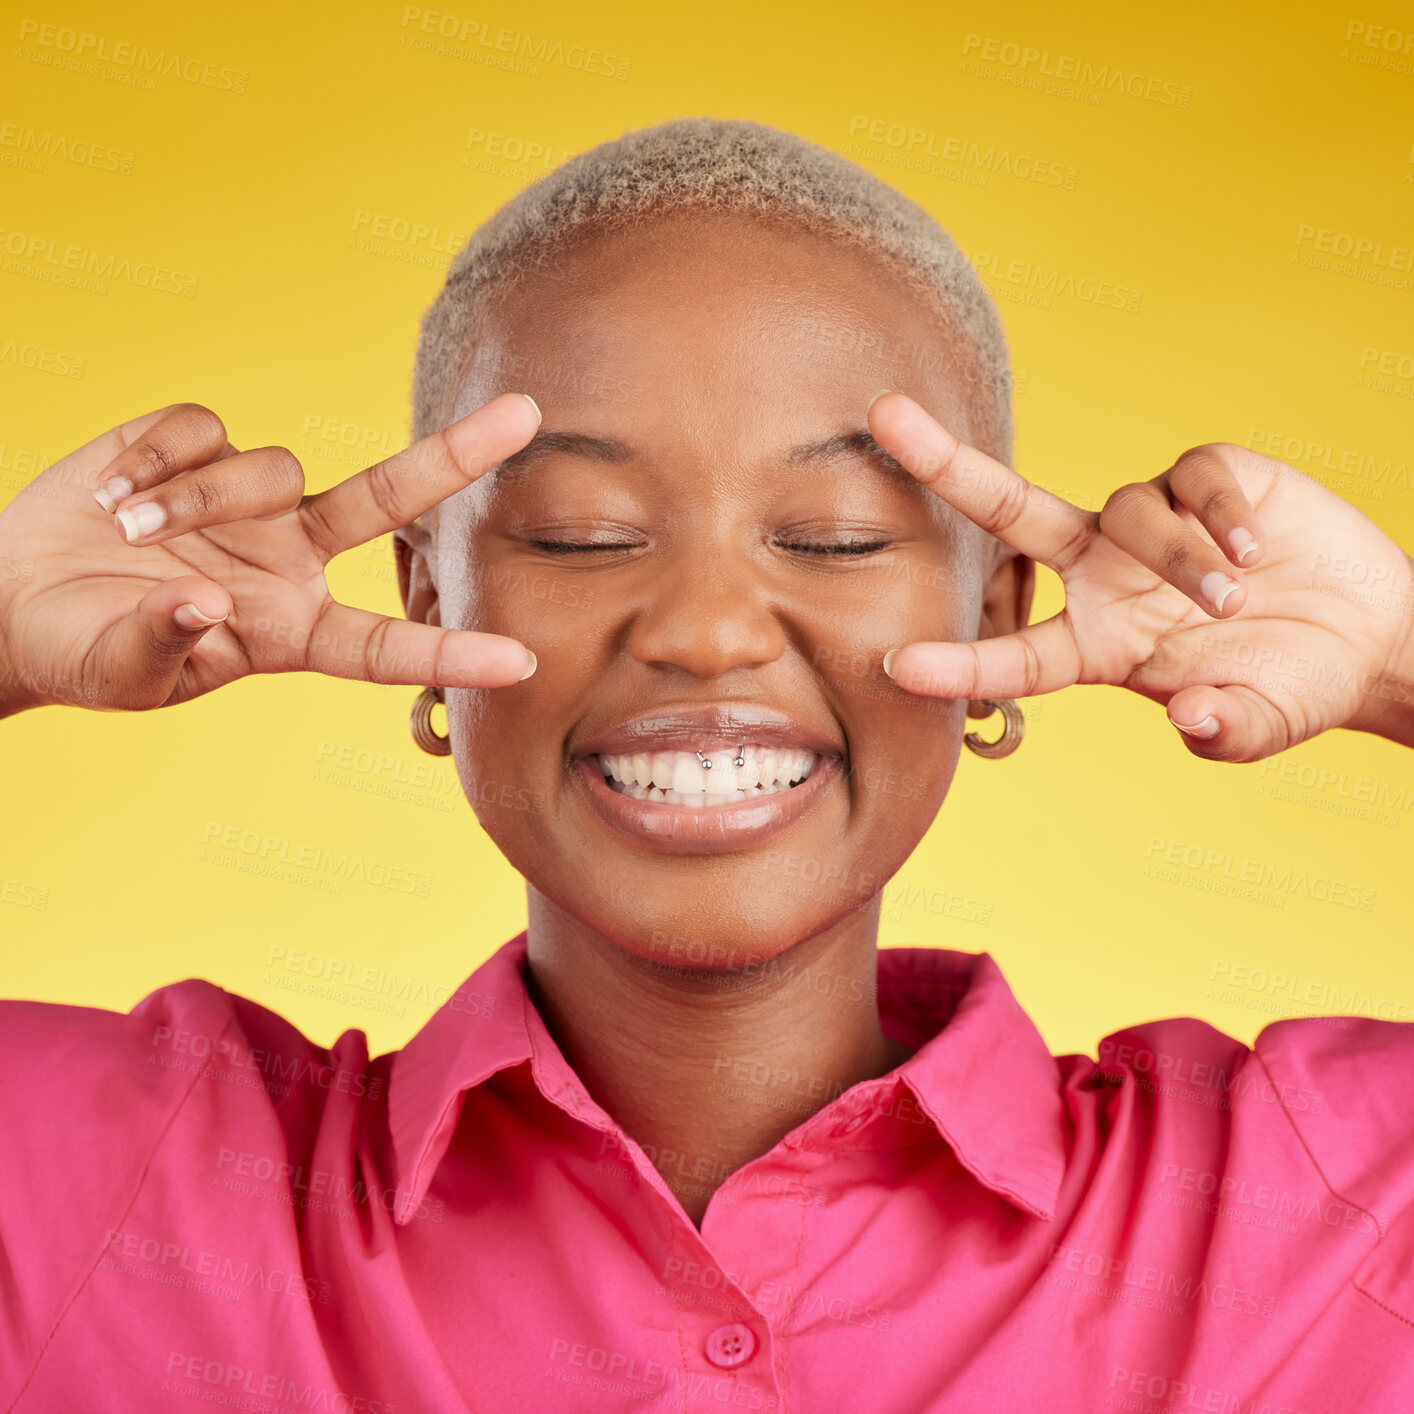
(1010, 508)
(375, 648)
(204, 424)
(154, 460)
(1174, 556)
(1206, 479)
(383, 489)
(1122, 497)
(188, 430)
(974, 678)
(160, 648)
(1219, 501)
(287, 468)
(280, 475)
(1032, 661)
(1207, 458)
(199, 499)
(950, 456)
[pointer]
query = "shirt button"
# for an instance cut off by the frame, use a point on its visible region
(849, 1126)
(728, 1346)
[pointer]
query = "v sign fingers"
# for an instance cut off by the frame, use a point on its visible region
(1231, 588)
(206, 564)
(395, 492)
(1028, 518)
(1043, 657)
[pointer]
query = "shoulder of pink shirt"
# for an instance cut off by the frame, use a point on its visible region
(1342, 1087)
(87, 1097)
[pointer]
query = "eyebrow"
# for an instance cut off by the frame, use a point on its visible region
(547, 444)
(842, 446)
(845, 445)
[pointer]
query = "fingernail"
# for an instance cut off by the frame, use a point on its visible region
(877, 396)
(1217, 587)
(1243, 542)
(141, 519)
(888, 661)
(538, 421)
(111, 492)
(190, 617)
(533, 665)
(1207, 727)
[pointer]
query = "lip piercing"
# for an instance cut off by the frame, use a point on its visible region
(740, 758)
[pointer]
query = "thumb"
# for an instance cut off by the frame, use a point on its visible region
(139, 659)
(1232, 723)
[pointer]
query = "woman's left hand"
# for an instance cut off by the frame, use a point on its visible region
(1252, 650)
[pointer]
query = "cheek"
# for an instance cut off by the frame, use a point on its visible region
(506, 745)
(559, 613)
(569, 601)
(854, 625)
(521, 600)
(905, 746)
(902, 775)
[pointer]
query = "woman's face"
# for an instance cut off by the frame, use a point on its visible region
(704, 382)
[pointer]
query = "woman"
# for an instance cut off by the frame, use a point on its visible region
(691, 1140)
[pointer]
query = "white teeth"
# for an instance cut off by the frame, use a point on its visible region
(679, 778)
(688, 775)
(660, 764)
(770, 762)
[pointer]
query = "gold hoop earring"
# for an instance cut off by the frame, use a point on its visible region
(421, 723)
(1010, 738)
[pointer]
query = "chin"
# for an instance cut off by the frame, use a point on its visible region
(720, 951)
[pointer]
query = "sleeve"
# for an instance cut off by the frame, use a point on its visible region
(1347, 1085)
(86, 1096)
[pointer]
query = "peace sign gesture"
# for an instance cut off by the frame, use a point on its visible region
(1260, 607)
(158, 563)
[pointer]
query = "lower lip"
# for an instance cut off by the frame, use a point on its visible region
(709, 829)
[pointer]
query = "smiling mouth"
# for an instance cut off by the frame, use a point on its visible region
(710, 779)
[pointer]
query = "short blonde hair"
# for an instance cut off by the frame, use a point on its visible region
(711, 163)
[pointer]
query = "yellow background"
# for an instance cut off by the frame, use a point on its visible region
(296, 335)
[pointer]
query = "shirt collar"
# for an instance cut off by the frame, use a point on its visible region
(482, 1028)
(981, 1071)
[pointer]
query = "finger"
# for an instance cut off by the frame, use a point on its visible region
(84, 465)
(1026, 517)
(357, 643)
(138, 660)
(1040, 658)
(187, 435)
(395, 492)
(243, 486)
(1232, 723)
(1140, 521)
(1204, 479)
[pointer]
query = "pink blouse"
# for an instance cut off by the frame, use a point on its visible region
(201, 1208)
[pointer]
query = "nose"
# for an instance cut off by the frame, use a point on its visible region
(707, 613)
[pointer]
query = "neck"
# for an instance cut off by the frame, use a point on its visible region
(709, 1069)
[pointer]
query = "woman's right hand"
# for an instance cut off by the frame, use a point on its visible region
(231, 579)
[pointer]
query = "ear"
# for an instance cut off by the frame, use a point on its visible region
(1006, 602)
(413, 555)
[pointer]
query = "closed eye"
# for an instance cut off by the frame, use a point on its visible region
(852, 547)
(571, 547)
